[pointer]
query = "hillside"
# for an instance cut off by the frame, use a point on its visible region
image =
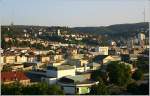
(123, 30)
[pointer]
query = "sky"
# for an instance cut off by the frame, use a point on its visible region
(73, 13)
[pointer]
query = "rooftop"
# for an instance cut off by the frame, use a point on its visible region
(12, 76)
(60, 67)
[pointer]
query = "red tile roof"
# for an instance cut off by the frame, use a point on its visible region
(11, 76)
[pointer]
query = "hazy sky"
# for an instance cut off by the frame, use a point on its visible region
(73, 12)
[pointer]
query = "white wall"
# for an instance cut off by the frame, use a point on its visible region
(62, 73)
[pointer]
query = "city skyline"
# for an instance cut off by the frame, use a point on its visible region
(73, 13)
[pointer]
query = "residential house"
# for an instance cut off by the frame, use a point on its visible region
(43, 58)
(9, 58)
(11, 77)
(17, 66)
(21, 58)
(104, 59)
(102, 50)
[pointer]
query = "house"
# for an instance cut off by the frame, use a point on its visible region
(78, 62)
(124, 51)
(43, 58)
(17, 66)
(1, 59)
(60, 71)
(21, 58)
(11, 77)
(31, 58)
(9, 58)
(52, 73)
(82, 69)
(102, 50)
(104, 59)
(94, 66)
(57, 63)
(56, 57)
(78, 84)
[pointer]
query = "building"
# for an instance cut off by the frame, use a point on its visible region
(11, 77)
(78, 62)
(60, 71)
(10, 58)
(21, 59)
(141, 36)
(58, 32)
(78, 84)
(17, 66)
(52, 73)
(102, 50)
(56, 57)
(43, 58)
(104, 59)
(94, 66)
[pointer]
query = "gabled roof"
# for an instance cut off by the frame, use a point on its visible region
(12, 76)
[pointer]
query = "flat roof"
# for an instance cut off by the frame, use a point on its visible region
(60, 67)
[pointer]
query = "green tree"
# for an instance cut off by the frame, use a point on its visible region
(132, 88)
(35, 89)
(143, 64)
(98, 74)
(138, 75)
(12, 89)
(135, 89)
(119, 73)
(100, 89)
(55, 90)
(6, 68)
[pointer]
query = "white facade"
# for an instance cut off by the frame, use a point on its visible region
(58, 32)
(60, 73)
(102, 50)
(141, 36)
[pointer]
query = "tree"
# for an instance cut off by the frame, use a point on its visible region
(100, 89)
(132, 88)
(98, 74)
(138, 75)
(35, 89)
(119, 73)
(135, 89)
(55, 90)
(12, 89)
(143, 64)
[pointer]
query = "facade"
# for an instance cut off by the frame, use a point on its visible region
(56, 57)
(79, 62)
(1, 59)
(21, 59)
(60, 71)
(141, 36)
(102, 50)
(9, 59)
